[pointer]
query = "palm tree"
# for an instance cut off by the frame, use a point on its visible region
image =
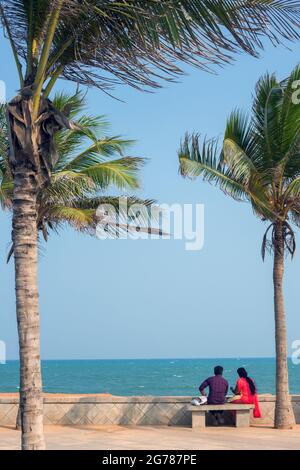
(96, 43)
(85, 168)
(260, 162)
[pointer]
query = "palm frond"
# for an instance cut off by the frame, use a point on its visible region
(71, 105)
(70, 142)
(3, 133)
(241, 166)
(99, 42)
(75, 189)
(292, 190)
(109, 215)
(6, 185)
(290, 127)
(95, 153)
(204, 160)
(295, 216)
(121, 173)
(239, 129)
(64, 188)
(118, 202)
(290, 112)
(80, 219)
(266, 119)
(197, 32)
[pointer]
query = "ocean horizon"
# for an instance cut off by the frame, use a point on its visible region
(172, 376)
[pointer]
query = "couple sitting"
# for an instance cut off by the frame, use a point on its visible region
(244, 392)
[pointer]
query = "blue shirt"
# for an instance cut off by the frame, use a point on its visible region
(218, 388)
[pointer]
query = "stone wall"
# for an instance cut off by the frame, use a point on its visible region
(94, 409)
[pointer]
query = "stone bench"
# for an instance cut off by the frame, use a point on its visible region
(242, 413)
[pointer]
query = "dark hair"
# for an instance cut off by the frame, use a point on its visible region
(218, 370)
(243, 374)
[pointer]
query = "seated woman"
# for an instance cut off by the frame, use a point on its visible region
(245, 387)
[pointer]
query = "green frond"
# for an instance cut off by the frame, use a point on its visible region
(266, 118)
(72, 105)
(121, 173)
(3, 137)
(115, 201)
(89, 128)
(6, 184)
(292, 191)
(88, 143)
(70, 143)
(6, 193)
(289, 166)
(290, 111)
(239, 129)
(82, 173)
(80, 219)
(95, 153)
(205, 161)
(65, 186)
(241, 166)
(86, 215)
(290, 127)
(142, 32)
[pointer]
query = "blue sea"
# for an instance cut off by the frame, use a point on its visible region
(144, 377)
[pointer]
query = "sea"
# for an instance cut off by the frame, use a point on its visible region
(145, 376)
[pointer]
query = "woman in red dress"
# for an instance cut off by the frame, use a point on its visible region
(245, 387)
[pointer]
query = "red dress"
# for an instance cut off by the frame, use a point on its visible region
(243, 389)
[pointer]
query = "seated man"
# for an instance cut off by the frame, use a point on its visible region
(218, 388)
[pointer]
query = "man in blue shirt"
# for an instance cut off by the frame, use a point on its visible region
(218, 388)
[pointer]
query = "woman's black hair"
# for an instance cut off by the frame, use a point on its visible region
(243, 374)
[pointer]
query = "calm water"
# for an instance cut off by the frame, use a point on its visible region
(144, 377)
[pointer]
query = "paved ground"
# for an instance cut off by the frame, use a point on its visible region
(148, 437)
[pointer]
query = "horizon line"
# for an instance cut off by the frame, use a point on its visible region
(154, 358)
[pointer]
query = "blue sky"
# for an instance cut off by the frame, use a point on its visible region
(151, 298)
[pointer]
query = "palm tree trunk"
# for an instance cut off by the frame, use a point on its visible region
(284, 416)
(25, 254)
(19, 420)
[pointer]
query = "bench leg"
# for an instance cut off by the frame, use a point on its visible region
(242, 419)
(198, 420)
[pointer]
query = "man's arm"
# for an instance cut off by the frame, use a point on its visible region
(203, 387)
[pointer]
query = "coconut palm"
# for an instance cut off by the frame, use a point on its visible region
(260, 163)
(85, 168)
(96, 43)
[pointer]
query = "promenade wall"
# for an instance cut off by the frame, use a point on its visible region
(70, 410)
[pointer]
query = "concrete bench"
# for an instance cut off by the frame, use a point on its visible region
(242, 413)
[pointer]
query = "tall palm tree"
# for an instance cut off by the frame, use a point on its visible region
(260, 162)
(84, 170)
(96, 43)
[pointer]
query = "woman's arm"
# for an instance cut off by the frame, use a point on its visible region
(237, 389)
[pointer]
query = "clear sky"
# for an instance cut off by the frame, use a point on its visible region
(151, 298)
